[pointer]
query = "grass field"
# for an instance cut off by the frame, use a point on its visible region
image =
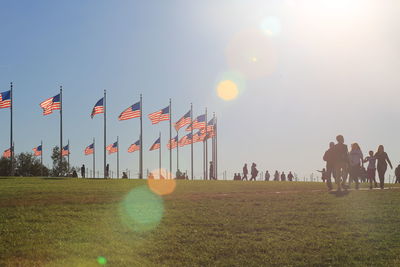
(75, 222)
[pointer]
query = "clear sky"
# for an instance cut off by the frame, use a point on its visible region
(305, 71)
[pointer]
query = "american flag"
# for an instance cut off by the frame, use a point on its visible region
(51, 104)
(65, 150)
(5, 99)
(89, 149)
(134, 147)
(112, 148)
(173, 144)
(210, 125)
(200, 136)
(185, 120)
(161, 115)
(198, 123)
(186, 140)
(98, 108)
(37, 151)
(156, 144)
(7, 153)
(130, 113)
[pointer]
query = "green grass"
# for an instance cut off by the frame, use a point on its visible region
(73, 222)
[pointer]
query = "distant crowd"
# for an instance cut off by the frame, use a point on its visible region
(267, 176)
(345, 165)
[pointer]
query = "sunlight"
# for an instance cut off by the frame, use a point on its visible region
(227, 90)
(161, 186)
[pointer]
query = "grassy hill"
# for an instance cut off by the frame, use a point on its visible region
(76, 222)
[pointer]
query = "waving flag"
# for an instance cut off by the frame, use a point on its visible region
(7, 153)
(112, 148)
(185, 120)
(51, 104)
(198, 123)
(37, 151)
(131, 112)
(5, 99)
(134, 147)
(173, 144)
(65, 150)
(98, 108)
(186, 140)
(199, 137)
(89, 149)
(156, 144)
(161, 115)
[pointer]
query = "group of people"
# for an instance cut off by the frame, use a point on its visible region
(343, 164)
(254, 172)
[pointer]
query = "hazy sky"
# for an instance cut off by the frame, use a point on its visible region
(306, 71)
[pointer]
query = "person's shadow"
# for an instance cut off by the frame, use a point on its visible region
(342, 193)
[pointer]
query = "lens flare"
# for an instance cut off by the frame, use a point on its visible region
(227, 90)
(252, 53)
(160, 185)
(101, 260)
(271, 26)
(141, 210)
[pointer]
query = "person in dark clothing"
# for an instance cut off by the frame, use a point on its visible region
(323, 175)
(83, 171)
(397, 173)
(340, 158)
(254, 172)
(107, 171)
(267, 176)
(276, 176)
(245, 172)
(383, 160)
(371, 169)
(329, 159)
(283, 177)
(290, 177)
(356, 159)
(212, 171)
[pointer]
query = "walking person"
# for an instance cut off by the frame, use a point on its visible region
(254, 172)
(383, 161)
(329, 158)
(371, 169)
(340, 162)
(290, 176)
(83, 171)
(283, 177)
(276, 176)
(397, 173)
(356, 159)
(245, 172)
(267, 176)
(211, 171)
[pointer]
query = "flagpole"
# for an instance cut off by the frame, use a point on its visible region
(41, 158)
(117, 158)
(213, 148)
(170, 137)
(105, 137)
(94, 159)
(68, 155)
(11, 130)
(206, 151)
(61, 130)
(216, 148)
(160, 158)
(141, 141)
(191, 143)
(177, 151)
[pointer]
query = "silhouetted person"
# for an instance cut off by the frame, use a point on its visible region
(124, 175)
(267, 176)
(383, 160)
(212, 171)
(283, 177)
(363, 175)
(245, 172)
(276, 176)
(83, 171)
(290, 177)
(254, 172)
(371, 169)
(356, 158)
(397, 173)
(340, 161)
(323, 175)
(74, 174)
(107, 170)
(329, 158)
(178, 174)
(239, 177)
